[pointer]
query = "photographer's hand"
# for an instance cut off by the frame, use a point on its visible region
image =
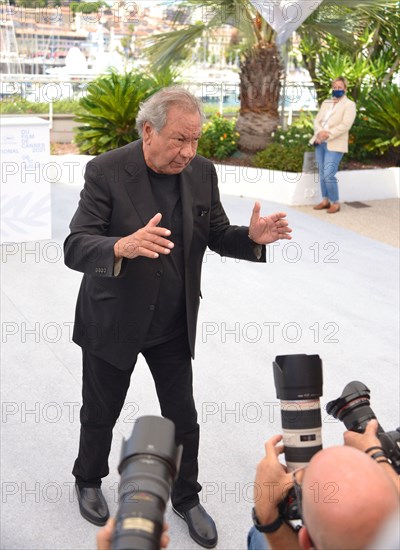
(271, 485)
(272, 482)
(365, 441)
(104, 536)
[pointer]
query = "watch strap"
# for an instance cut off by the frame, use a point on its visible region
(268, 528)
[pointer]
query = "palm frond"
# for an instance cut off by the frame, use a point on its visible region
(340, 19)
(169, 47)
(164, 48)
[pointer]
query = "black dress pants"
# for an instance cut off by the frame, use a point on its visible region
(104, 389)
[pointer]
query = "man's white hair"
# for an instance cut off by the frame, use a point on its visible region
(155, 109)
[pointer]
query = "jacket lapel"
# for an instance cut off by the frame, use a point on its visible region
(338, 110)
(138, 184)
(187, 196)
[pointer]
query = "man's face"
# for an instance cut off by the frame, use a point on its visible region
(171, 150)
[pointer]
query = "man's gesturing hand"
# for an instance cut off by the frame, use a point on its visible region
(148, 241)
(268, 229)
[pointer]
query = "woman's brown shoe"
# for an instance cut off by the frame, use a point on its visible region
(335, 207)
(322, 205)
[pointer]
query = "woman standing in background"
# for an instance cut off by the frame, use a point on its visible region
(331, 139)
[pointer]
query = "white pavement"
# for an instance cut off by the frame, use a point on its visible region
(330, 291)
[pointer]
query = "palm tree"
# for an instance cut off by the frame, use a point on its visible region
(261, 65)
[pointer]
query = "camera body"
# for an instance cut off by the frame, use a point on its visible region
(149, 465)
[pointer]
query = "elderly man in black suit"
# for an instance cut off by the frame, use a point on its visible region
(147, 212)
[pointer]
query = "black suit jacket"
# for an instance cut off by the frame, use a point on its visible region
(113, 314)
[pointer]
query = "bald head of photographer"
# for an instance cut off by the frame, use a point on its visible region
(348, 498)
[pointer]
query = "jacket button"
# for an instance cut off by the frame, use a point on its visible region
(152, 308)
(158, 273)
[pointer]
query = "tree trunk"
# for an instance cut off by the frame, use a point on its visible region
(260, 83)
(255, 130)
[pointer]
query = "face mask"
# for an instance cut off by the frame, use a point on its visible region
(338, 93)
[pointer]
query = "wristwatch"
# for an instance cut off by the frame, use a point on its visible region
(270, 528)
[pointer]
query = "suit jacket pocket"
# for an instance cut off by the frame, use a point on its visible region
(201, 223)
(100, 292)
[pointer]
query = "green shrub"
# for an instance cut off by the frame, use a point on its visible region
(108, 112)
(278, 156)
(376, 131)
(219, 138)
(87, 7)
(357, 149)
(65, 106)
(19, 106)
(288, 147)
(211, 109)
(299, 133)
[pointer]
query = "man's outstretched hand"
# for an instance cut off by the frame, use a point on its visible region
(268, 229)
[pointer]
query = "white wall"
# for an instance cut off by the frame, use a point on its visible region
(289, 188)
(294, 188)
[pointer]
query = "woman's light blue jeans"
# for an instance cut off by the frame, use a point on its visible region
(328, 165)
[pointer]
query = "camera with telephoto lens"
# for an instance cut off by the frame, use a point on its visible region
(149, 465)
(298, 384)
(353, 409)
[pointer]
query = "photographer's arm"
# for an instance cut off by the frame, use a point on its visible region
(367, 440)
(271, 485)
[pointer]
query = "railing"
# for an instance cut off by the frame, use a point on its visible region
(298, 95)
(49, 89)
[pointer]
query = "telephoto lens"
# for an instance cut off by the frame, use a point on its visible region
(149, 465)
(298, 384)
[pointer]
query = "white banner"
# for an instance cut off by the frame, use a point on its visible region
(285, 16)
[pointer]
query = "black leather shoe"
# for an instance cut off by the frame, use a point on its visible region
(202, 528)
(92, 504)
